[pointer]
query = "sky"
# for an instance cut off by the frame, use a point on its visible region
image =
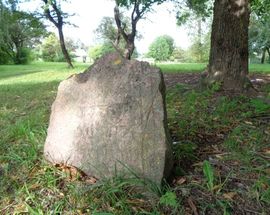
(90, 12)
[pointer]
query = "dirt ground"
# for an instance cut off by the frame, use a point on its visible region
(171, 80)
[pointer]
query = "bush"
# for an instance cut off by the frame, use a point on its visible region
(99, 50)
(4, 57)
(24, 56)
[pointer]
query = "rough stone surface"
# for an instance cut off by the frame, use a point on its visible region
(111, 119)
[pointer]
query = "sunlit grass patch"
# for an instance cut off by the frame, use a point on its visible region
(199, 67)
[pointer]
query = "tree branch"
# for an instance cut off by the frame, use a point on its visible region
(118, 23)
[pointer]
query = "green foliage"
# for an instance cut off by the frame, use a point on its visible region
(24, 57)
(261, 190)
(99, 50)
(51, 50)
(259, 35)
(19, 33)
(260, 106)
(178, 55)
(107, 29)
(107, 33)
(145, 4)
(168, 199)
(188, 9)
(209, 174)
(198, 52)
(162, 48)
(185, 151)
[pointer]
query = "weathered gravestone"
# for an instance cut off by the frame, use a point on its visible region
(111, 118)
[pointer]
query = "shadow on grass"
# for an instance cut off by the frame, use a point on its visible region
(9, 74)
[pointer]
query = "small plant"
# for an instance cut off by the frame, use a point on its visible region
(209, 174)
(169, 199)
(259, 105)
(185, 151)
(261, 189)
(215, 87)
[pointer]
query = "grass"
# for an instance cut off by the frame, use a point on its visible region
(198, 67)
(221, 152)
(182, 67)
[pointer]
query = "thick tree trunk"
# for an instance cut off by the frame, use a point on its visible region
(263, 56)
(228, 61)
(63, 47)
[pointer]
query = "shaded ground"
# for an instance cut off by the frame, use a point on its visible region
(193, 78)
(229, 134)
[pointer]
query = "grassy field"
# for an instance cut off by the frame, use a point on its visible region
(221, 153)
(198, 67)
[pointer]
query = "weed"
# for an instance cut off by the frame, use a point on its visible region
(169, 199)
(209, 175)
(259, 106)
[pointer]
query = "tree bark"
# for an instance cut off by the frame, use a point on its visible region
(63, 47)
(56, 17)
(228, 61)
(129, 48)
(268, 51)
(128, 37)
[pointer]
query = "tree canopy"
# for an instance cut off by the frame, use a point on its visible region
(19, 32)
(138, 10)
(162, 48)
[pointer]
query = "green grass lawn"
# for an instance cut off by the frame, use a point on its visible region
(198, 67)
(221, 157)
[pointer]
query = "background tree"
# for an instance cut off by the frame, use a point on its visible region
(51, 50)
(179, 55)
(107, 34)
(162, 48)
(199, 50)
(99, 50)
(190, 10)
(54, 13)
(259, 30)
(19, 33)
(228, 62)
(196, 15)
(259, 37)
(138, 9)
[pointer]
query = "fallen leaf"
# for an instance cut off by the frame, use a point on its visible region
(229, 195)
(197, 164)
(180, 181)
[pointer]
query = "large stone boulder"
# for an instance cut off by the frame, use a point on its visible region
(111, 119)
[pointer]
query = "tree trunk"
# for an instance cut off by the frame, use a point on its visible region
(129, 48)
(228, 61)
(263, 56)
(63, 47)
(268, 51)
